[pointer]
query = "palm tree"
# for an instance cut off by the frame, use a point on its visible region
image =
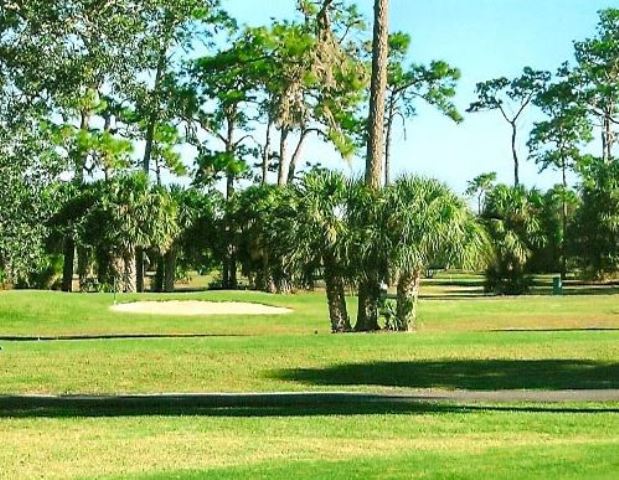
(427, 224)
(129, 214)
(321, 234)
(512, 219)
(367, 253)
(259, 213)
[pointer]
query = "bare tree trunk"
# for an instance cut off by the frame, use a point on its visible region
(170, 269)
(515, 154)
(564, 223)
(130, 271)
(390, 119)
(376, 121)
(67, 268)
(266, 154)
(283, 154)
(608, 138)
(296, 156)
(230, 281)
(407, 299)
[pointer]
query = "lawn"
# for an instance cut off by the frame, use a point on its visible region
(537, 343)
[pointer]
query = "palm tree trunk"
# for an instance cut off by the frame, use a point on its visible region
(67, 269)
(336, 299)
(407, 297)
(117, 267)
(130, 271)
(376, 121)
(139, 269)
(83, 267)
(158, 281)
(367, 313)
(170, 269)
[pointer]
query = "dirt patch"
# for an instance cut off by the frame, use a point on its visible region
(196, 308)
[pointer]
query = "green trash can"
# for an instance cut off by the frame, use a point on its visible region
(557, 286)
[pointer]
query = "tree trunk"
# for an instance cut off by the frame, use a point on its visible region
(266, 154)
(564, 223)
(515, 155)
(407, 296)
(282, 176)
(390, 118)
(367, 313)
(67, 268)
(336, 298)
(230, 278)
(117, 267)
(103, 267)
(296, 156)
(170, 269)
(83, 267)
(130, 271)
(158, 281)
(283, 286)
(376, 121)
(139, 269)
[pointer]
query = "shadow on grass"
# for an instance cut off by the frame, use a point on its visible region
(271, 405)
(486, 375)
(120, 336)
(554, 330)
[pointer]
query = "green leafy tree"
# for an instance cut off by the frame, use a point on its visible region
(479, 187)
(511, 98)
(596, 226)
(597, 77)
(557, 142)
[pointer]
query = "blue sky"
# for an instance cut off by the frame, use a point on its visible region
(485, 39)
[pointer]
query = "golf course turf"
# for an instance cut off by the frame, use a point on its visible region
(543, 345)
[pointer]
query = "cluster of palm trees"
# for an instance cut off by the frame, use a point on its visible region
(110, 222)
(323, 227)
(351, 235)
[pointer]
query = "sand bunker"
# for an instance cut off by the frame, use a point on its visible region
(194, 307)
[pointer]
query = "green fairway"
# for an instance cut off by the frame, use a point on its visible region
(463, 344)
(426, 441)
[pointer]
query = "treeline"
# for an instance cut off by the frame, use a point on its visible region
(566, 229)
(105, 106)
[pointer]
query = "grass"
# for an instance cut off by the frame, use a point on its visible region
(569, 342)
(422, 442)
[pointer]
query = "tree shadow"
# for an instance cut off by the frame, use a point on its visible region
(464, 374)
(114, 336)
(269, 405)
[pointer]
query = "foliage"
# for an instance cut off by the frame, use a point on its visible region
(512, 219)
(596, 230)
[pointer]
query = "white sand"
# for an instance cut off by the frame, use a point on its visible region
(194, 307)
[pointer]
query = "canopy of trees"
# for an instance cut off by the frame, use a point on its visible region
(159, 136)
